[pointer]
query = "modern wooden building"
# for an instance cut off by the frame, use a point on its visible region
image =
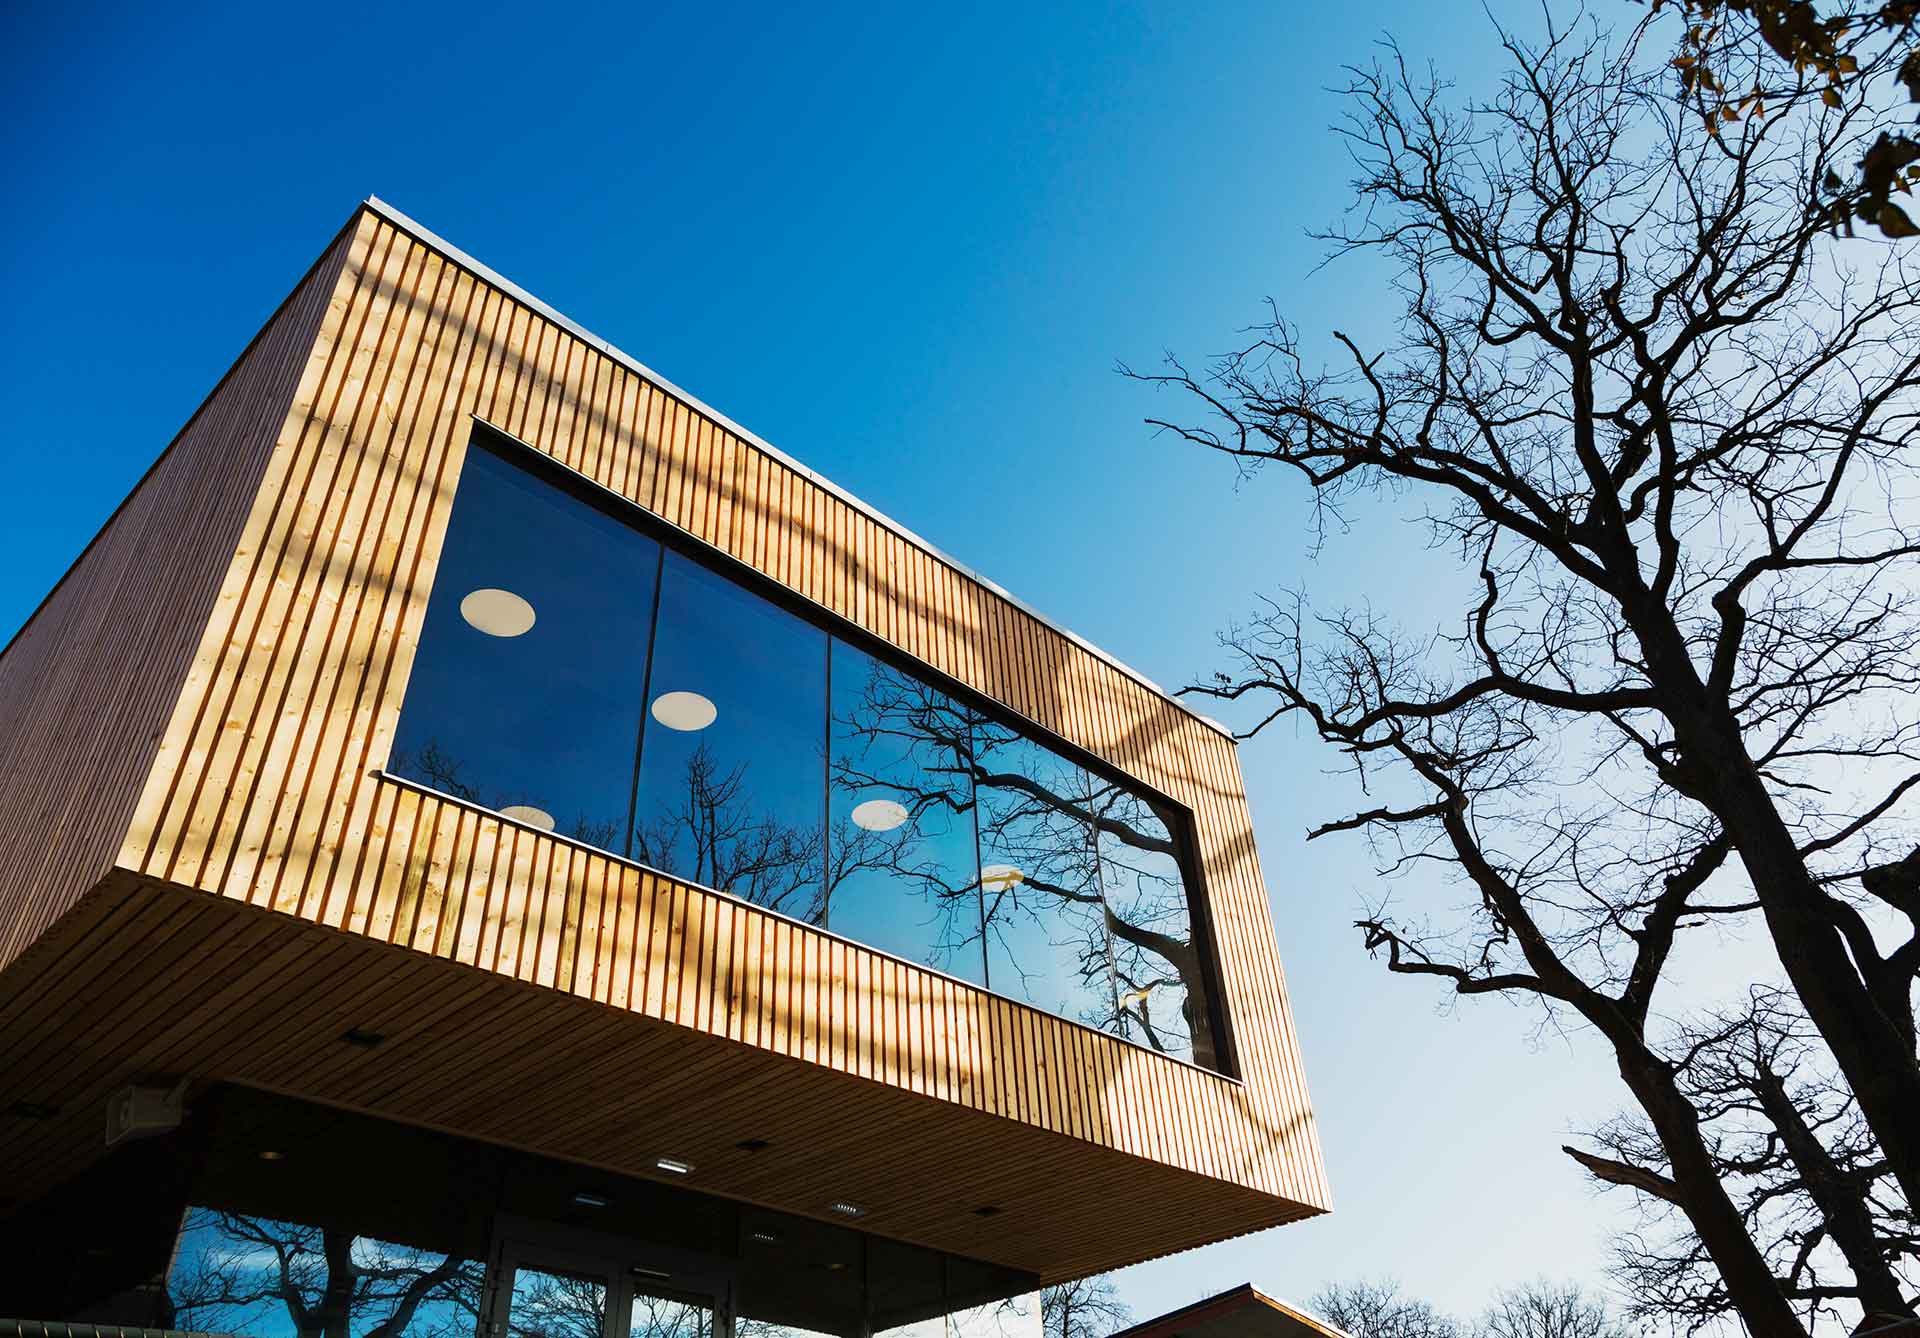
(490, 842)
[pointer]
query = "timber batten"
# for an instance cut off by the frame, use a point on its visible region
(255, 814)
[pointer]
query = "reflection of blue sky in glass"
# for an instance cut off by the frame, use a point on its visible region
(659, 1317)
(556, 1305)
(1157, 968)
(910, 890)
(249, 1275)
(735, 748)
(1046, 936)
(737, 805)
(547, 719)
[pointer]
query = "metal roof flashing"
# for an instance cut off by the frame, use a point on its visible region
(433, 240)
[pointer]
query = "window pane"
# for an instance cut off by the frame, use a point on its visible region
(227, 1277)
(1161, 986)
(1046, 933)
(733, 766)
(526, 691)
(660, 1317)
(901, 856)
(556, 1305)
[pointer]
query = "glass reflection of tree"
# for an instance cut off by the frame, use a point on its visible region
(714, 836)
(1097, 865)
(254, 1274)
(1158, 983)
(556, 1305)
(658, 1317)
(899, 739)
(435, 765)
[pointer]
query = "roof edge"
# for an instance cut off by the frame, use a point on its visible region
(426, 236)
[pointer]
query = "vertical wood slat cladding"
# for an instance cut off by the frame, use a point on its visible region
(87, 684)
(263, 788)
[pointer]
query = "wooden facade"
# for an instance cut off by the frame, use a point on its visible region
(221, 879)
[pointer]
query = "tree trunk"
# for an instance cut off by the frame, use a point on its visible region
(1750, 1283)
(1869, 1047)
(1847, 1220)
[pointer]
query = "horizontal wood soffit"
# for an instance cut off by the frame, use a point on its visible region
(235, 993)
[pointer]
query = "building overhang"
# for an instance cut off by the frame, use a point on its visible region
(151, 983)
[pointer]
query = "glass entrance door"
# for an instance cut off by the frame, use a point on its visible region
(653, 1314)
(568, 1285)
(544, 1303)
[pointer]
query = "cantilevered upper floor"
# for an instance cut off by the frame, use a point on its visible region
(454, 681)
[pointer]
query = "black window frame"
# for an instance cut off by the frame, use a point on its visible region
(497, 441)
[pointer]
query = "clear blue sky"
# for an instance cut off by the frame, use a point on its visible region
(907, 250)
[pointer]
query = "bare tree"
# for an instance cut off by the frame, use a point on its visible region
(1663, 421)
(1084, 1308)
(1379, 1309)
(1788, 1142)
(1543, 1309)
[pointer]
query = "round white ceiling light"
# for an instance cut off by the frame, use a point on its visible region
(684, 711)
(1001, 877)
(879, 815)
(497, 612)
(527, 813)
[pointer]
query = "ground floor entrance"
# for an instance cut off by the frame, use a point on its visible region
(269, 1216)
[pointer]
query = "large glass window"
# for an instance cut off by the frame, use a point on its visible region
(526, 691)
(575, 675)
(551, 1304)
(234, 1273)
(1045, 916)
(1159, 983)
(663, 1317)
(903, 866)
(733, 767)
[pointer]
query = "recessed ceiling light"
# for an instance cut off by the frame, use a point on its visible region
(879, 815)
(497, 612)
(675, 1165)
(846, 1209)
(588, 1199)
(753, 1145)
(527, 813)
(684, 711)
(362, 1037)
(986, 1210)
(1000, 877)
